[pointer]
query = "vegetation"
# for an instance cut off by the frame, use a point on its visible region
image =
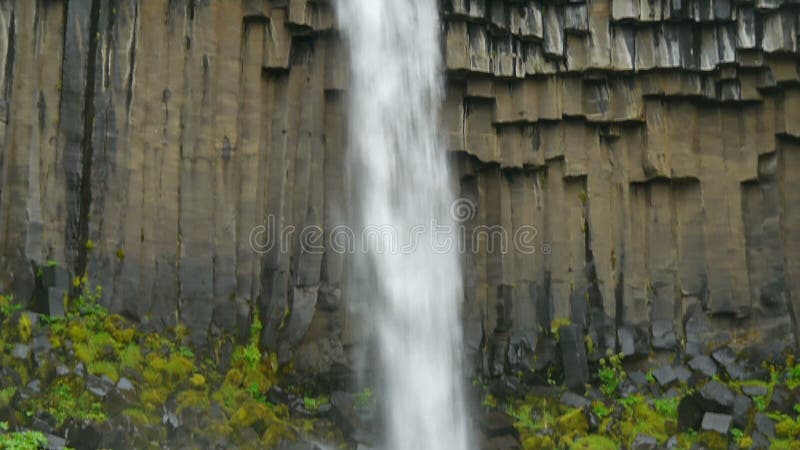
(164, 371)
(611, 374)
(21, 440)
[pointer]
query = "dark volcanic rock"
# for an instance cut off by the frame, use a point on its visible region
(83, 435)
(682, 373)
(718, 395)
(644, 442)
(99, 386)
(21, 351)
(783, 400)
(742, 405)
(574, 400)
(573, 353)
(760, 442)
(719, 423)
(55, 442)
(754, 390)
(704, 365)
(691, 409)
(495, 424)
(765, 425)
(665, 375)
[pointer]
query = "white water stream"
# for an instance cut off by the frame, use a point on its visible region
(403, 182)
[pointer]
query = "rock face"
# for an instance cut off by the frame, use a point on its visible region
(638, 155)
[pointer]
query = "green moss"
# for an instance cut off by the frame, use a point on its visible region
(784, 444)
(130, 356)
(714, 441)
(139, 417)
(571, 426)
(156, 362)
(539, 442)
(197, 380)
(84, 353)
(24, 328)
(106, 368)
(786, 427)
(153, 398)
(179, 367)
(644, 420)
(192, 399)
(595, 442)
(249, 413)
(152, 377)
(6, 395)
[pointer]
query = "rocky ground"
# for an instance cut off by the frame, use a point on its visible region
(749, 400)
(86, 379)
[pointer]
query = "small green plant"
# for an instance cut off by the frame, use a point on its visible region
(793, 377)
(737, 435)
(22, 440)
(761, 402)
(251, 355)
(649, 377)
(667, 407)
(611, 374)
(7, 305)
(87, 302)
(313, 404)
(600, 410)
(186, 352)
(630, 402)
(363, 397)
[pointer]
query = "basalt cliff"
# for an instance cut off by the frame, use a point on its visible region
(650, 149)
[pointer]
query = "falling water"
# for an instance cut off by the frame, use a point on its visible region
(403, 183)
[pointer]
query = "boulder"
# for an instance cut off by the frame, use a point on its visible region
(83, 434)
(574, 400)
(691, 409)
(496, 424)
(754, 390)
(99, 386)
(742, 405)
(644, 442)
(783, 400)
(704, 365)
(718, 395)
(55, 442)
(760, 442)
(665, 375)
(682, 373)
(718, 423)
(765, 425)
(21, 351)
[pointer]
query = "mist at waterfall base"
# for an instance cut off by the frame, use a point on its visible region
(394, 97)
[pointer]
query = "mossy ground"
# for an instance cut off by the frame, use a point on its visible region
(165, 373)
(613, 421)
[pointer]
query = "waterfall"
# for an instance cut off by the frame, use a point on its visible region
(403, 190)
